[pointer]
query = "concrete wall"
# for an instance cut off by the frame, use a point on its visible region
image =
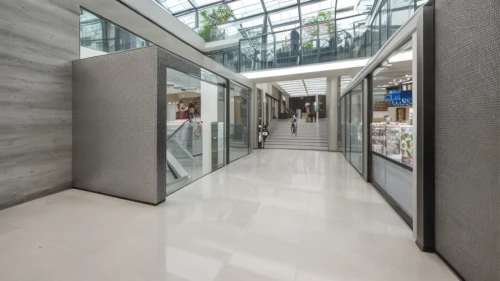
(38, 41)
(467, 156)
(119, 123)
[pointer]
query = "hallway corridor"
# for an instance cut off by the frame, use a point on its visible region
(274, 215)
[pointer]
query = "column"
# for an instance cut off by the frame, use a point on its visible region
(332, 94)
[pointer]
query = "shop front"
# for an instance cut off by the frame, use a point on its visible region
(387, 123)
(147, 123)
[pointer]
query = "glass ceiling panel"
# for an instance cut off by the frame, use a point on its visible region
(294, 88)
(311, 10)
(245, 8)
(342, 4)
(286, 27)
(316, 86)
(176, 6)
(272, 5)
(258, 21)
(189, 19)
(200, 3)
(284, 16)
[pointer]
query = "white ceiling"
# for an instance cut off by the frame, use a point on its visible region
(304, 87)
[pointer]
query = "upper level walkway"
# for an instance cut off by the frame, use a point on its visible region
(274, 215)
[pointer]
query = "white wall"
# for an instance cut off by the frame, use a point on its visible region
(208, 115)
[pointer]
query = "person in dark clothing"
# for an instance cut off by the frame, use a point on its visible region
(294, 125)
(294, 40)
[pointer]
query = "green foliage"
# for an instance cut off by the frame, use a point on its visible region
(308, 44)
(321, 20)
(211, 19)
(205, 32)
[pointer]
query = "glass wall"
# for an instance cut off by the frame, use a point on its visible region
(342, 126)
(323, 34)
(239, 111)
(348, 128)
(99, 36)
(351, 126)
(391, 130)
(356, 128)
(196, 131)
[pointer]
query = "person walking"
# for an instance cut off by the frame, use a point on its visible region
(294, 126)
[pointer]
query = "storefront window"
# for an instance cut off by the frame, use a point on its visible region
(392, 131)
(348, 127)
(238, 121)
(195, 125)
(356, 128)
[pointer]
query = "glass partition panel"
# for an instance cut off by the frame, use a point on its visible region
(376, 34)
(195, 125)
(392, 131)
(356, 128)
(347, 126)
(384, 24)
(342, 125)
(238, 121)
(400, 12)
(99, 37)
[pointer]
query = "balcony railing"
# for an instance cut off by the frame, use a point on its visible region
(352, 37)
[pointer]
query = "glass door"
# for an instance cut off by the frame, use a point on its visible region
(195, 126)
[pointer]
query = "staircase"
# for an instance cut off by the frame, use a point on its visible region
(310, 136)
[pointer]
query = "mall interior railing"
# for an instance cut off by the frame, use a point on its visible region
(352, 37)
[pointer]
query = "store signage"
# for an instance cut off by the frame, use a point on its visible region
(399, 98)
(381, 106)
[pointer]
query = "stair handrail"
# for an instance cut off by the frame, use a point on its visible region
(178, 129)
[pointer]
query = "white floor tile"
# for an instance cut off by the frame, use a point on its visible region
(276, 215)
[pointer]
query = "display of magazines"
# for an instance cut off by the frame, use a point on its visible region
(407, 145)
(378, 138)
(393, 140)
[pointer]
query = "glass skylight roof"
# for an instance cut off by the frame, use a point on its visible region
(189, 20)
(272, 5)
(248, 15)
(245, 8)
(306, 87)
(176, 6)
(284, 16)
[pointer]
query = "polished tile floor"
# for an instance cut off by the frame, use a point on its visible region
(273, 215)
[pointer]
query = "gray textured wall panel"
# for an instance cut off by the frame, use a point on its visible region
(467, 136)
(115, 124)
(38, 41)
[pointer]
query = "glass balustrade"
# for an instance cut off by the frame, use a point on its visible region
(322, 36)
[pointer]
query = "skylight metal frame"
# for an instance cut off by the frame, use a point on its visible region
(268, 26)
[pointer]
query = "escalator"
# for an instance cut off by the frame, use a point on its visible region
(175, 170)
(184, 151)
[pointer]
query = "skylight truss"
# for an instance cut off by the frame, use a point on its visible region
(262, 16)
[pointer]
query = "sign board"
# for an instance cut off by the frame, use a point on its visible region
(399, 98)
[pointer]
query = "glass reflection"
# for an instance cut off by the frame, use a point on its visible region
(238, 121)
(195, 126)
